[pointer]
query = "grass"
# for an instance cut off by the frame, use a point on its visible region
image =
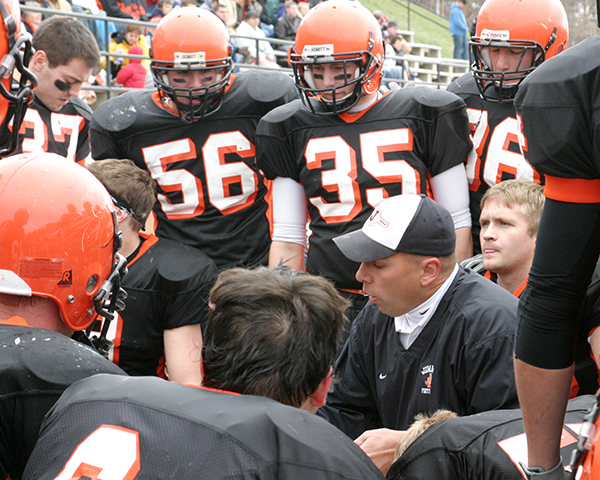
(429, 28)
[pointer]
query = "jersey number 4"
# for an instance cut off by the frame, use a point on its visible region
(230, 186)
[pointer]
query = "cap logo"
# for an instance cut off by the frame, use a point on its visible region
(377, 219)
(325, 51)
(183, 59)
(495, 35)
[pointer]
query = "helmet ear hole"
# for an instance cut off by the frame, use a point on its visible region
(91, 284)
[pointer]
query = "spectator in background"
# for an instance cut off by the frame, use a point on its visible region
(381, 19)
(132, 75)
(31, 20)
(303, 8)
(402, 48)
(392, 28)
(223, 12)
(287, 25)
(250, 28)
(458, 29)
(122, 43)
(391, 69)
(162, 8)
(130, 9)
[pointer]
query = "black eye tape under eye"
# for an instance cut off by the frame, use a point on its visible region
(62, 86)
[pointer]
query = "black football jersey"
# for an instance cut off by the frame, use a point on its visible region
(65, 133)
(148, 428)
(487, 446)
(496, 155)
(167, 286)
(348, 164)
(36, 366)
(558, 104)
(210, 194)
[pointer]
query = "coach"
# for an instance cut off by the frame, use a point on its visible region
(434, 335)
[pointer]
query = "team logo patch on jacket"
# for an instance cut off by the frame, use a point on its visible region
(427, 370)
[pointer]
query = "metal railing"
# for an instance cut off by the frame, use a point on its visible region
(443, 67)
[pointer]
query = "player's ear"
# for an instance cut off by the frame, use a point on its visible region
(319, 397)
(38, 61)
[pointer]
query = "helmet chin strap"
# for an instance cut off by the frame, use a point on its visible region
(361, 107)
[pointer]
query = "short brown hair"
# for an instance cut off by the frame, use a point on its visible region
(63, 39)
(126, 181)
(519, 193)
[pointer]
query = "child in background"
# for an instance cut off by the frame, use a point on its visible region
(122, 42)
(162, 8)
(132, 75)
(31, 19)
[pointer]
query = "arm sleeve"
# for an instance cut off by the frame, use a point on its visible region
(289, 211)
(187, 300)
(451, 190)
(566, 254)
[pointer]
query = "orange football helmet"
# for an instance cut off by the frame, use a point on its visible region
(15, 51)
(58, 235)
(191, 39)
(344, 33)
(536, 26)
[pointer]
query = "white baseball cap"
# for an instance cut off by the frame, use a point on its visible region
(405, 223)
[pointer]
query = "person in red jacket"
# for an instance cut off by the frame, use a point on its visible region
(132, 75)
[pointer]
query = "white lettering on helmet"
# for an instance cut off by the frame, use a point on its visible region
(183, 59)
(495, 35)
(324, 52)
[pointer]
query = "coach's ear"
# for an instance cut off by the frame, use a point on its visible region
(318, 398)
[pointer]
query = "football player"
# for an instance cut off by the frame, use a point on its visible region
(57, 121)
(512, 39)
(167, 285)
(557, 104)
(344, 147)
(195, 135)
(270, 342)
(58, 265)
(486, 446)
